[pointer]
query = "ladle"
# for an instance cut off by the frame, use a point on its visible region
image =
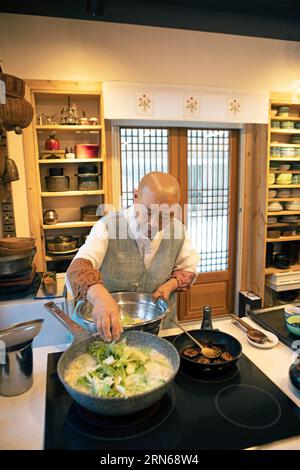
(208, 352)
(253, 334)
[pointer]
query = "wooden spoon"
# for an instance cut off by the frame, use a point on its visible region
(253, 334)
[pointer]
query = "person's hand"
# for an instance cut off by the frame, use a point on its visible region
(106, 316)
(166, 289)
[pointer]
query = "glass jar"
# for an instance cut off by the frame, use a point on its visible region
(88, 182)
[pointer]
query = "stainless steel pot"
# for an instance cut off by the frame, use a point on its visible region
(62, 243)
(146, 314)
(16, 362)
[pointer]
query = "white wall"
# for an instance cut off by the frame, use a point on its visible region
(51, 48)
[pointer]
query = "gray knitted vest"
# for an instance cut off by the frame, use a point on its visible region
(123, 268)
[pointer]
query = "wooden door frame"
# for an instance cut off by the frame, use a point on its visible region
(178, 167)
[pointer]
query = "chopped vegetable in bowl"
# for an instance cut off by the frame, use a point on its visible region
(118, 370)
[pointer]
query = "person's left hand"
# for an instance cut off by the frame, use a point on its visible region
(165, 289)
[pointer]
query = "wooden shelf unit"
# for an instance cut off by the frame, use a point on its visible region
(75, 128)
(63, 161)
(49, 97)
(271, 270)
(282, 137)
(59, 225)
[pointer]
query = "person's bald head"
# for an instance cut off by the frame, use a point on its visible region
(158, 188)
(156, 201)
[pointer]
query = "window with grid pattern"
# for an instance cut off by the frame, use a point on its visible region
(142, 150)
(208, 196)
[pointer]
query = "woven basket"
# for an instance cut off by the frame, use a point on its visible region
(15, 114)
(15, 87)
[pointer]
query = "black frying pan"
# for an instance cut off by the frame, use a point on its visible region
(214, 337)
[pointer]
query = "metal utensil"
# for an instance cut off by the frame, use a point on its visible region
(138, 306)
(253, 334)
(16, 363)
(206, 351)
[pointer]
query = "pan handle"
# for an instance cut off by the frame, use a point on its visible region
(72, 326)
(206, 319)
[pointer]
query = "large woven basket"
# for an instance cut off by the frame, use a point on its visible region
(15, 114)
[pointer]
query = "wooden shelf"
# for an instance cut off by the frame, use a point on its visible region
(74, 160)
(271, 270)
(59, 257)
(288, 199)
(72, 193)
(284, 171)
(283, 239)
(278, 144)
(278, 186)
(283, 224)
(69, 225)
(284, 213)
(278, 130)
(284, 159)
(77, 128)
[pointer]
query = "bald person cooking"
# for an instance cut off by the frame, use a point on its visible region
(143, 248)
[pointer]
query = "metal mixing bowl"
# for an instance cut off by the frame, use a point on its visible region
(146, 314)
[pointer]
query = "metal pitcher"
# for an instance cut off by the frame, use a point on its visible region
(16, 360)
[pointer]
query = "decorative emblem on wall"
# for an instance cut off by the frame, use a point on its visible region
(144, 103)
(235, 108)
(191, 105)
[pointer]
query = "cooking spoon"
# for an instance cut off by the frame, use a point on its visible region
(253, 334)
(208, 352)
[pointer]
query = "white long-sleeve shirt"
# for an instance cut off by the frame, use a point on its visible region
(96, 245)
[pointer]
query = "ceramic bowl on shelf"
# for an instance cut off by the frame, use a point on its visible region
(275, 124)
(283, 193)
(295, 193)
(272, 220)
(287, 124)
(296, 179)
(273, 233)
(271, 178)
(292, 206)
(289, 218)
(274, 112)
(275, 206)
(284, 178)
(284, 166)
(272, 193)
(283, 111)
(287, 152)
(275, 152)
(295, 139)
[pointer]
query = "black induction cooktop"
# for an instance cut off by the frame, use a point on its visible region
(239, 409)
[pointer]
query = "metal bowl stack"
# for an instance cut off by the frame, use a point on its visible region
(138, 312)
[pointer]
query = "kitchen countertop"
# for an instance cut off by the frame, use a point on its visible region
(22, 417)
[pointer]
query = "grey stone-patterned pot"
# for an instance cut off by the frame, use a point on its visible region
(113, 406)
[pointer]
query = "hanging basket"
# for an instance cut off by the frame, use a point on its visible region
(15, 87)
(15, 114)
